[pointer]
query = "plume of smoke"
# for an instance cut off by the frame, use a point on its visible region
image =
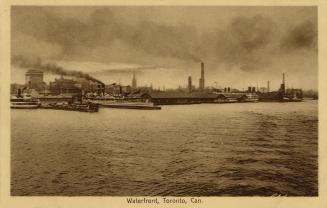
(248, 42)
(242, 42)
(52, 68)
(102, 29)
(302, 36)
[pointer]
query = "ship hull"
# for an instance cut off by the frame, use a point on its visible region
(24, 106)
(139, 107)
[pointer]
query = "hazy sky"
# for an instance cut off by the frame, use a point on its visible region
(240, 46)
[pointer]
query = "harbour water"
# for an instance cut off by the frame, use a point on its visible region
(241, 149)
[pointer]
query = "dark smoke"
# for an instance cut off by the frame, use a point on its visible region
(110, 34)
(303, 36)
(52, 68)
(243, 41)
(102, 29)
(252, 33)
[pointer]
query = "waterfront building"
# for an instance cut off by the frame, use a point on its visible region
(64, 86)
(34, 79)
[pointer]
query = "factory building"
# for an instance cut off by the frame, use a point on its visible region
(34, 79)
(174, 98)
(64, 86)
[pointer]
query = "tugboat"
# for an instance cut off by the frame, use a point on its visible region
(76, 104)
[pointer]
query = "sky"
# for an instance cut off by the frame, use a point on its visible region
(163, 45)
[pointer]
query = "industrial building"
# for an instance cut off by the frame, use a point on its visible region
(64, 86)
(34, 79)
(173, 98)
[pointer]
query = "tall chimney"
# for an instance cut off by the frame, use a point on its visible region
(202, 70)
(190, 84)
(282, 86)
(134, 83)
(201, 80)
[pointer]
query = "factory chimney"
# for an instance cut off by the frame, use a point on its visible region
(282, 86)
(189, 84)
(134, 84)
(201, 80)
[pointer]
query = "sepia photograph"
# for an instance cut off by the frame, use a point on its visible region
(164, 101)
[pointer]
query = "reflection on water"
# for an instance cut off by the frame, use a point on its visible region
(193, 150)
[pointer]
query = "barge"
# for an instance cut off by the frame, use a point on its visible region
(84, 107)
(125, 104)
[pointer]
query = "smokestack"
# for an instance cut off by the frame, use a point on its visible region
(228, 89)
(253, 89)
(282, 86)
(201, 80)
(202, 70)
(268, 86)
(134, 84)
(249, 89)
(190, 84)
(19, 93)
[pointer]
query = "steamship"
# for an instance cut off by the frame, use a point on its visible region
(25, 102)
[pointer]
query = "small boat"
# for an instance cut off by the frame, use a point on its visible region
(24, 103)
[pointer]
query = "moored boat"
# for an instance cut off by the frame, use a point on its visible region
(24, 103)
(81, 107)
(125, 104)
